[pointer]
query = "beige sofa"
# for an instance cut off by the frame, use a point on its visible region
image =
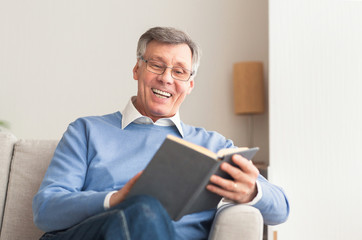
(22, 166)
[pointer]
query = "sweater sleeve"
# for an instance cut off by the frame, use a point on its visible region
(61, 202)
(274, 204)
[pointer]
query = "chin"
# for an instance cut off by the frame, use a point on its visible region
(162, 114)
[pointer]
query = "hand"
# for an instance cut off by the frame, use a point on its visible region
(242, 188)
(121, 194)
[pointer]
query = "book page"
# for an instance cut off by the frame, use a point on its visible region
(196, 147)
(227, 151)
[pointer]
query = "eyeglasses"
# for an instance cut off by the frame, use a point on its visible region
(178, 73)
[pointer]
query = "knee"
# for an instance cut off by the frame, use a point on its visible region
(143, 213)
(147, 214)
(147, 206)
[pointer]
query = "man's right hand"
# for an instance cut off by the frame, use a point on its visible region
(119, 196)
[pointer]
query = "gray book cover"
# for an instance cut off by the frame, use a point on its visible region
(177, 176)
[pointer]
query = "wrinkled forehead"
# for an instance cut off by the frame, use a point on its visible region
(169, 53)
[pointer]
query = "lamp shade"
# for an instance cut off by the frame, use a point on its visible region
(248, 88)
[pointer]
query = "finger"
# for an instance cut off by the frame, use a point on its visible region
(235, 172)
(245, 165)
(136, 177)
(127, 187)
(222, 192)
(223, 183)
(132, 181)
(239, 193)
(121, 194)
(246, 180)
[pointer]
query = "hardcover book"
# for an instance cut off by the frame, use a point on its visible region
(178, 174)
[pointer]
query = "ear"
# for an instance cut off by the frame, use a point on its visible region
(191, 85)
(135, 71)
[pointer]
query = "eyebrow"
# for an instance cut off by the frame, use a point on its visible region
(161, 59)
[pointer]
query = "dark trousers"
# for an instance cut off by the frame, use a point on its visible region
(138, 218)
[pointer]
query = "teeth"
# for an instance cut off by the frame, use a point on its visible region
(161, 94)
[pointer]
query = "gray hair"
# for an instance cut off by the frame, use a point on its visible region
(170, 36)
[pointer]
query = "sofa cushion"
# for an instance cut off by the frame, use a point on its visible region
(30, 161)
(7, 141)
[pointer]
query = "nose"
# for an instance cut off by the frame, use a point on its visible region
(166, 77)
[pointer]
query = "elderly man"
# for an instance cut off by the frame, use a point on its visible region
(98, 159)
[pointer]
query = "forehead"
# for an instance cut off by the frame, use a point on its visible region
(169, 53)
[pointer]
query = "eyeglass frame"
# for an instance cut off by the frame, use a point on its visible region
(164, 69)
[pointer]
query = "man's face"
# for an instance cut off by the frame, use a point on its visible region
(160, 96)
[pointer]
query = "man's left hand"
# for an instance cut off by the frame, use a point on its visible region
(242, 188)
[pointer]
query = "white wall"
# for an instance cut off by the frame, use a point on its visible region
(60, 60)
(316, 116)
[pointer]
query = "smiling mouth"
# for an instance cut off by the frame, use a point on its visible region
(161, 94)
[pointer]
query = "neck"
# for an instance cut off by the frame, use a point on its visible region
(143, 113)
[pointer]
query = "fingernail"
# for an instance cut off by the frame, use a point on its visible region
(238, 156)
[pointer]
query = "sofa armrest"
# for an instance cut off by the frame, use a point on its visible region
(237, 222)
(7, 141)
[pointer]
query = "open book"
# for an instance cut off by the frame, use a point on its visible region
(178, 174)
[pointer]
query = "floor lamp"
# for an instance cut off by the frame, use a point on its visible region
(249, 92)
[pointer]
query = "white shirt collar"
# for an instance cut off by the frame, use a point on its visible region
(130, 114)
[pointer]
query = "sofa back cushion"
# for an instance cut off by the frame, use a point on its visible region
(7, 141)
(30, 161)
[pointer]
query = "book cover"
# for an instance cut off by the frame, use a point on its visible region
(178, 174)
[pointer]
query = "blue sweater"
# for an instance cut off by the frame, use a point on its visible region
(95, 156)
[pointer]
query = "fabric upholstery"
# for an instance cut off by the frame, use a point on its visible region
(7, 141)
(30, 161)
(228, 222)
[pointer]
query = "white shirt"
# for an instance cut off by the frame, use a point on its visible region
(130, 114)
